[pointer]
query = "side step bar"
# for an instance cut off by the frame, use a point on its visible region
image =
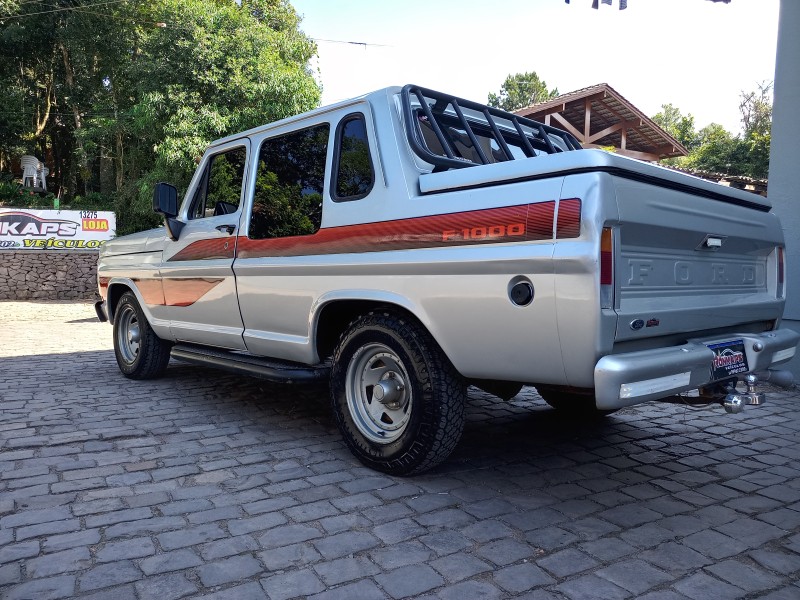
(277, 371)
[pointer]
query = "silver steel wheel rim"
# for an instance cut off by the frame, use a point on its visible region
(376, 366)
(128, 334)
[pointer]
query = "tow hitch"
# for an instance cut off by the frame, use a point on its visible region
(736, 401)
(731, 399)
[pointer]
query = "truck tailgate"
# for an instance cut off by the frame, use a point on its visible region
(689, 263)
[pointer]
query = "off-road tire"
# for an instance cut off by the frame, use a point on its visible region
(147, 356)
(431, 427)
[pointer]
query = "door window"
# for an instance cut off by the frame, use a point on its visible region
(287, 200)
(354, 175)
(220, 189)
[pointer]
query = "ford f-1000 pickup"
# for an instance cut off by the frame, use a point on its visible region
(408, 243)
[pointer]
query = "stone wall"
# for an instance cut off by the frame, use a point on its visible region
(52, 275)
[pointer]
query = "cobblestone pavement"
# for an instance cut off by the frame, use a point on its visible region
(206, 485)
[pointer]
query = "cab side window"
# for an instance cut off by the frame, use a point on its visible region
(220, 189)
(353, 175)
(287, 200)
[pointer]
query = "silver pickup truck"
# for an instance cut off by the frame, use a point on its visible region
(407, 243)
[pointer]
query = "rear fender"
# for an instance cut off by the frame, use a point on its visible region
(352, 303)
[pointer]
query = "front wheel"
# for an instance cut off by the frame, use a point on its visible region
(140, 353)
(397, 399)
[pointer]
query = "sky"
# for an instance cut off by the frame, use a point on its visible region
(695, 54)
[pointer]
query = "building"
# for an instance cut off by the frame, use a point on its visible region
(600, 117)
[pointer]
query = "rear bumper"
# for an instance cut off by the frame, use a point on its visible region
(627, 379)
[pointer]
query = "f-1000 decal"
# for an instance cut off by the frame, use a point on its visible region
(525, 222)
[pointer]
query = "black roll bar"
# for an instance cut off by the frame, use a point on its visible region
(432, 104)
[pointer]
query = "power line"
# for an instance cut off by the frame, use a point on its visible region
(55, 10)
(347, 42)
(85, 9)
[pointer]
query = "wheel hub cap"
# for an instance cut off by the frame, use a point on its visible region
(389, 391)
(378, 398)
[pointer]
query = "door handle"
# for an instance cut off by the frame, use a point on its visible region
(229, 229)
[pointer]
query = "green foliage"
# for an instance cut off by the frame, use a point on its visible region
(13, 195)
(288, 195)
(92, 201)
(131, 93)
(521, 90)
(756, 110)
(677, 125)
(352, 177)
(715, 149)
(281, 209)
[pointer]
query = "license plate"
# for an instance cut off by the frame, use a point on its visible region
(729, 359)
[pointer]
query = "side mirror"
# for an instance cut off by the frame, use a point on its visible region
(165, 202)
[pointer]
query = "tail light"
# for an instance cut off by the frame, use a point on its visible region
(781, 270)
(607, 268)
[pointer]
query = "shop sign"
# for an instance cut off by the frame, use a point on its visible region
(24, 229)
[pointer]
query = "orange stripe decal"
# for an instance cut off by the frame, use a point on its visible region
(185, 292)
(569, 219)
(214, 248)
(151, 291)
(520, 223)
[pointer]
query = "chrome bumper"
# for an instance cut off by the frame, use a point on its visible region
(626, 379)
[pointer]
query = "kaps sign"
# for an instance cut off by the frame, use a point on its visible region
(55, 230)
(23, 224)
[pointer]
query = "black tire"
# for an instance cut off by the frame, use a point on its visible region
(572, 403)
(140, 353)
(421, 418)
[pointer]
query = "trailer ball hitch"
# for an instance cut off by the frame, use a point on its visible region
(736, 401)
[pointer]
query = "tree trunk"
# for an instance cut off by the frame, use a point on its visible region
(43, 119)
(76, 112)
(118, 155)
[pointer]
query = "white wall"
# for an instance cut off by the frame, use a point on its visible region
(784, 166)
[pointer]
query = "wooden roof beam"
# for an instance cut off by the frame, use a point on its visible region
(596, 96)
(563, 123)
(621, 126)
(669, 149)
(587, 118)
(548, 111)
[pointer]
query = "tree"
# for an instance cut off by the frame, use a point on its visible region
(681, 127)
(756, 110)
(521, 90)
(124, 95)
(716, 150)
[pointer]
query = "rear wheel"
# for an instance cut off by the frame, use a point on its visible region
(578, 404)
(140, 353)
(397, 399)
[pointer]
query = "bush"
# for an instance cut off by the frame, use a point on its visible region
(93, 201)
(13, 195)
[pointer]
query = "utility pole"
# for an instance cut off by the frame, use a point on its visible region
(784, 191)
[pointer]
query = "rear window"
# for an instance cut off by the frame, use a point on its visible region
(353, 175)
